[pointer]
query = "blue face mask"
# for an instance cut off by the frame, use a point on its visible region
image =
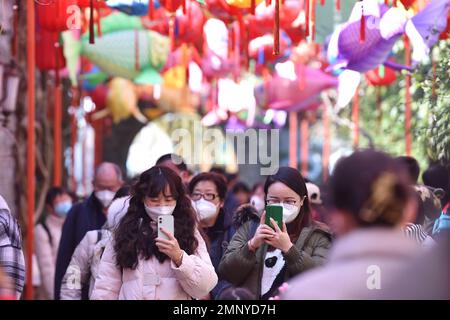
(62, 208)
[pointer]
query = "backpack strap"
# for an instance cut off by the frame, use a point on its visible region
(47, 230)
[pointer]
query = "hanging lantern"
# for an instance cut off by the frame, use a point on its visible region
(381, 76)
(53, 15)
(49, 54)
(171, 5)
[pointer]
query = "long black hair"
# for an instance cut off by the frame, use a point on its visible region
(135, 238)
(294, 180)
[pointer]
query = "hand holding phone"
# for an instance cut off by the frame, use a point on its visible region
(276, 213)
(166, 222)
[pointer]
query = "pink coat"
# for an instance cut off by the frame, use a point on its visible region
(152, 280)
(47, 252)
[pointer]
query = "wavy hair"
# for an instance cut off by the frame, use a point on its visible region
(134, 238)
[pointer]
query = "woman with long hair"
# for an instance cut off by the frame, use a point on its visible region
(139, 265)
(260, 258)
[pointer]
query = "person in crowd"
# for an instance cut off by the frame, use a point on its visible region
(241, 192)
(262, 258)
(207, 191)
(430, 271)
(12, 260)
(231, 202)
(258, 196)
(139, 265)
(366, 212)
(177, 164)
(87, 215)
(429, 204)
(233, 293)
(78, 282)
(58, 202)
(438, 177)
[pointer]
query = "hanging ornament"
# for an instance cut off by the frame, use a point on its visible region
(338, 5)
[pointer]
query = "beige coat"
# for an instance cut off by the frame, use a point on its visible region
(360, 266)
(46, 254)
(152, 280)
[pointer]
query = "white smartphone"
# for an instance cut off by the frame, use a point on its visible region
(166, 222)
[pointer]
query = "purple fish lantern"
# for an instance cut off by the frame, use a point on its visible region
(382, 27)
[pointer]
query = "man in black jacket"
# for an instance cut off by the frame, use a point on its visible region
(85, 216)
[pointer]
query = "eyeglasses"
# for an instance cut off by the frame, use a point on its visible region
(206, 196)
(276, 201)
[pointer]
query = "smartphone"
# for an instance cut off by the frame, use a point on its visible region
(276, 213)
(166, 222)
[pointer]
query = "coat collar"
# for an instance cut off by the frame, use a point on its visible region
(4, 205)
(372, 242)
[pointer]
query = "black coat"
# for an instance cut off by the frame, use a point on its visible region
(83, 217)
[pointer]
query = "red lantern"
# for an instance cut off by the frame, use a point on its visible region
(99, 4)
(190, 25)
(445, 35)
(171, 5)
(53, 15)
(49, 54)
(376, 77)
(408, 3)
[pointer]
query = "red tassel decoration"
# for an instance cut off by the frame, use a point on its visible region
(136, 50)
(386, 2)
(407, 98)
(252, 7)
(99, 24)
(276, 29)
(14, 37)
(322, 2)
(362, 32)
(230, 42)
(268, 3)
(307, 18)
(394, 3)
(91, 22)
(355, 119)
(150, 9)
(184, 6)
(338, 5)
(313, 20)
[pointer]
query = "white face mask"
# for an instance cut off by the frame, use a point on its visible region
(105, 197)
(258, 203)
(205, 209)
(155, 211)
(290, 212)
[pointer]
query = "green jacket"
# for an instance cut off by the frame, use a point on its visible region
(244, 268)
